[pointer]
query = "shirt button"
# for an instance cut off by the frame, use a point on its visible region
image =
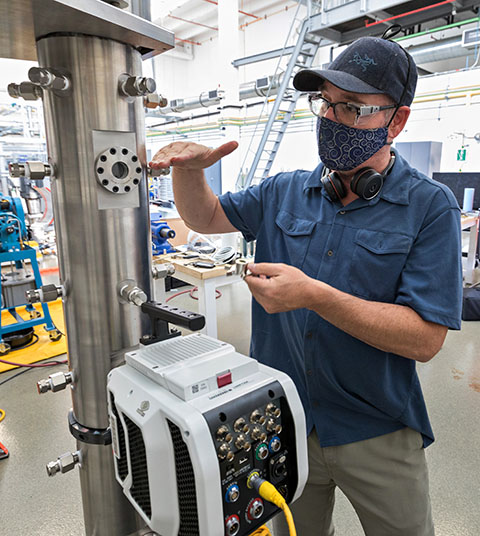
(330, 253)
(342, 212)
(309, 334)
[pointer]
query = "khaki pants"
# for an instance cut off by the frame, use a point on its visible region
(385, 479)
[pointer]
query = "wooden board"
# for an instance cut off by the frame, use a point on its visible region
(185, 266)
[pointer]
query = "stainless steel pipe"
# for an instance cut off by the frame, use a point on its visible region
(103, 239)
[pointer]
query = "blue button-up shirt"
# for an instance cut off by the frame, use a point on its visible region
(402, 247)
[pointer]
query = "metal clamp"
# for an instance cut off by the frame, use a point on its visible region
(55, 382)
(64, 463)
(92, 436)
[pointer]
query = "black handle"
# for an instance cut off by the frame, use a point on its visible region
(161, 314)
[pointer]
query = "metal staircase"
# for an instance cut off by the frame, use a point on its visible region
(257, 163)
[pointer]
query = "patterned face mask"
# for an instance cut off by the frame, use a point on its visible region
(343, 148)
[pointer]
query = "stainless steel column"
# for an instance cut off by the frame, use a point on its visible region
(103, 239)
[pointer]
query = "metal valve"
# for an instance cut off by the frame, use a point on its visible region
(31, 170)
(161, 271)
(46, 293)
(55, 382)
(25, 90)
(48, 79)
(136, 86)
(66, 462)
(132, 294)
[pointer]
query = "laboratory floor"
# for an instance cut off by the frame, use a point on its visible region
(35, 431)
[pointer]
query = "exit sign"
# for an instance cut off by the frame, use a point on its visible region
(461, 153)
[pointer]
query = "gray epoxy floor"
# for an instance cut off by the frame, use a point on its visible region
(35, 430)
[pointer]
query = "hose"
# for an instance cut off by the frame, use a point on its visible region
(270, 493)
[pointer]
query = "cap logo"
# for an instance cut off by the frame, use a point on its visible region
(363, 62)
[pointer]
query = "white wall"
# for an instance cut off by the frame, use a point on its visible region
(454, 111)
(180, 78)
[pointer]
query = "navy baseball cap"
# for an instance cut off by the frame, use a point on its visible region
(368, 65)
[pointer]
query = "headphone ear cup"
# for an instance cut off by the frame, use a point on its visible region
(367, 183)
(334, 186)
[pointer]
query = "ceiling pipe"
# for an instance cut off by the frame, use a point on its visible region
(426, 53)
(262, 87)
(440, 50)
(400, 15)
(190, 28)
(240, 11)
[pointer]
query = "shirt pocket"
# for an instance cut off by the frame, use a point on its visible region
(296, 237)
(377, 263)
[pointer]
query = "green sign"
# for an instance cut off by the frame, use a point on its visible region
(461, 153)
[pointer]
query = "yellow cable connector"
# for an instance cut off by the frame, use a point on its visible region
(262, 531)
(270, 493)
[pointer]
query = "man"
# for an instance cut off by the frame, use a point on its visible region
(353, 283)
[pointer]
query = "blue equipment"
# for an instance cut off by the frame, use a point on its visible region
(161, 232)
(14, 284)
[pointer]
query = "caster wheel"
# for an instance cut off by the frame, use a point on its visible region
(4, 348)
(54, 335)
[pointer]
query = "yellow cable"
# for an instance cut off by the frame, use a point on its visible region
(2, 414)
(270, 493)
(262, 531)
(289, 518)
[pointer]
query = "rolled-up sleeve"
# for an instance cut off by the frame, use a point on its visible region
(431, 282)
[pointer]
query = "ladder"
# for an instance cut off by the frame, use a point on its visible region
(283, 108)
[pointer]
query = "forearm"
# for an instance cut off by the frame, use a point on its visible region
(195, 201)
(389, 327)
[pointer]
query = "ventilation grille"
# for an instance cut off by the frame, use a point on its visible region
(178, 350)
(122, 464)
(187, 498)
(140, 489)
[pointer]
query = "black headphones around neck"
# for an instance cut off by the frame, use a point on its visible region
(366, 183)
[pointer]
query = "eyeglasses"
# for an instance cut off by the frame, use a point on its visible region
(346, 113)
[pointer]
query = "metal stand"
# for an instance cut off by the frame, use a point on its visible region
(89, 76)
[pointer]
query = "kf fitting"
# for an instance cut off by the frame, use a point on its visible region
(64, 463)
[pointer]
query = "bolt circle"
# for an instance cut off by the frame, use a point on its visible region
(115, 171)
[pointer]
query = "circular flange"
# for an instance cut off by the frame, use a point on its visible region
(118, 170)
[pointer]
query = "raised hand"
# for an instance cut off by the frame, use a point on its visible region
(189, 155)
